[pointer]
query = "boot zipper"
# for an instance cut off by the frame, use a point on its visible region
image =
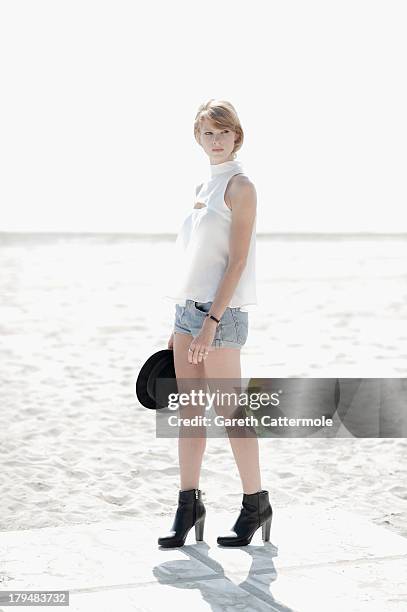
(194, 510)
(258, 507)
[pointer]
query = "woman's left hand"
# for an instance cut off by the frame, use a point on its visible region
(202, 344)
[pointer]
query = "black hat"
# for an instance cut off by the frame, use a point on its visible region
(159, 365)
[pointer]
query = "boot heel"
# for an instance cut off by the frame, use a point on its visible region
(266, 530)
(199, 530)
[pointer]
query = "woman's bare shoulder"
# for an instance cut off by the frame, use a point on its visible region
(241, 180)
(239, 188)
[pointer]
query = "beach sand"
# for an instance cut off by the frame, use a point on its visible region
(79, 316)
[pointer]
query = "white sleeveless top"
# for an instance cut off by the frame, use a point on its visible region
(202, 246)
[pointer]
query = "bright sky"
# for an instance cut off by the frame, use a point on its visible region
(99, 98)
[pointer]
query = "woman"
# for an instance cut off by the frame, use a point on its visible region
(216, 281)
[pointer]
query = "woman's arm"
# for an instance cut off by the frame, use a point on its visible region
(243, 202)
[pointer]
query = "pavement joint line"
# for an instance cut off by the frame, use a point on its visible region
(250, 589)
(136, 585)
(215, 564)
(265, 598)
(288, 568)
(217, 575)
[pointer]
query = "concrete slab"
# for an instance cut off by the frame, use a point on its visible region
(319, 558)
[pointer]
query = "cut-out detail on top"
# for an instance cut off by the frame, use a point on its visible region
(199, 205)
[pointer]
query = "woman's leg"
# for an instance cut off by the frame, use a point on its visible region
(225, 363)
(191, 440)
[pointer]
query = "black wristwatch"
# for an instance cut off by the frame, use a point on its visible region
(212, 317)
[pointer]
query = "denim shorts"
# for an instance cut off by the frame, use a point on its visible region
(231, 331)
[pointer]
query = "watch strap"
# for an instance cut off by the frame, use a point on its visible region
(212, 317)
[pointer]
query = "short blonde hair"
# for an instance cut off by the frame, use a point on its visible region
(224, 116)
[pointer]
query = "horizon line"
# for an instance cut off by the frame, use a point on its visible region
(168, 235)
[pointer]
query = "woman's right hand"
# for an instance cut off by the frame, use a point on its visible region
(171, 341)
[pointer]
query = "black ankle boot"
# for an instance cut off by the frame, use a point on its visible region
(191, 511)
(255, 512)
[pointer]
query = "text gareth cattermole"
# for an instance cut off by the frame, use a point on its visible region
(207, 400)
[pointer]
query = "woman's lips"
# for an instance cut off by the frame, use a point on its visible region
(217, 149)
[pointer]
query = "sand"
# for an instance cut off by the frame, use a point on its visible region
(80, 315)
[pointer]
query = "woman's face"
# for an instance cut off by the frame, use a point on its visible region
(218, 143)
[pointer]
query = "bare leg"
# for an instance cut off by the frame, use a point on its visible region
(191, 440)
(225, 363)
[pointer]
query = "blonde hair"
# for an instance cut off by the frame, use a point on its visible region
(223, 115)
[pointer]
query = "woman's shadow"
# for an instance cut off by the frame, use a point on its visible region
(219, 591)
